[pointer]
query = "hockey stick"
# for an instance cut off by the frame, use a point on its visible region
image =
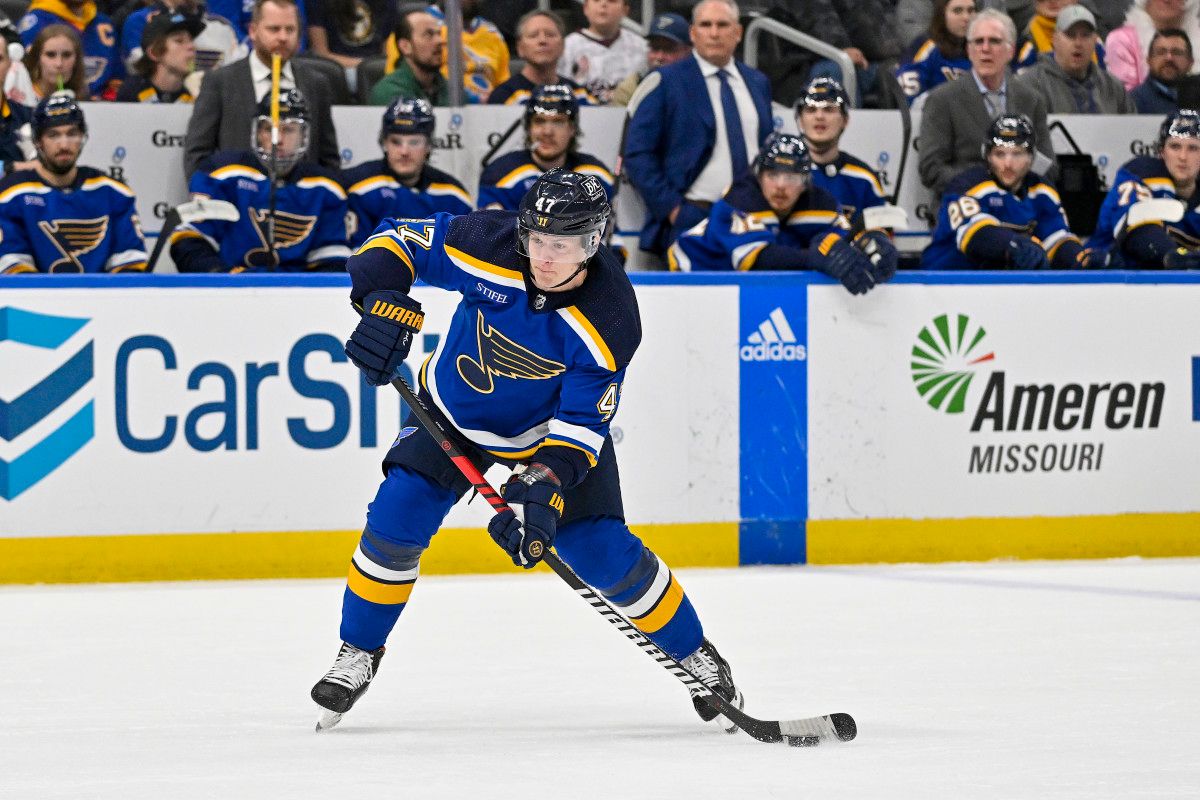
(487, 157)
(797, 732)
(197, 210)
(276, 67)
(906, 131)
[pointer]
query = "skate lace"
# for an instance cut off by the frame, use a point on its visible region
(704, 667)
(351, 669)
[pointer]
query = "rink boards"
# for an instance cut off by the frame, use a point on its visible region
(207, 426)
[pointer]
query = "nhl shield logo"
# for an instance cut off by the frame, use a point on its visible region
(45, 416)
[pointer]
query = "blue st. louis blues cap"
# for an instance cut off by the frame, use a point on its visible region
(670, 26)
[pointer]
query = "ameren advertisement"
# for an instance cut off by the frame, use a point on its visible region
(1004, 401)
(188, 410)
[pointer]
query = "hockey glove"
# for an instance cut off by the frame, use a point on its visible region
(880, 251)
(1025, 253)
(846, 263)
(1182, 258)
(535, 494)
(384, 335)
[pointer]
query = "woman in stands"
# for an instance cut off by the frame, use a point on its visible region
(55, 61)
(942, 55)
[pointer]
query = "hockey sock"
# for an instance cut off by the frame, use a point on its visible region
(379, 583)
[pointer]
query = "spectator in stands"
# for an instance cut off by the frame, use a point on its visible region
(822, 114)
(485, 53)
(347, 31)
(1001, 214)
(1067, 79)
(604, 53)
(1170, 59)
(403, 183)
(540, 43)
(1039, 34)
(15, 136)
(667, 42)
(940, 55)
(774, 219)
(103, 69)
(18, 86)
(865, 30)
(217, 44)
(551, 123)
(1126, 48)
(55, 63)
(957, 114)
(225, 107)
(1138, 238)
(698, 124)
(419, 74)
(295, 223)
(168, 56)
(61, 217)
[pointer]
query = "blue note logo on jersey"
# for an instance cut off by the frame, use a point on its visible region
(73, 238)
(499, 355)
(290, 229)
(34, 439)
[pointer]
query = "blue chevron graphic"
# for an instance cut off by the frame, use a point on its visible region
(47, 455)
(21, 414)
(39, 330)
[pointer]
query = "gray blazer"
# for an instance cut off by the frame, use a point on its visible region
(954, 124)
(226, 107)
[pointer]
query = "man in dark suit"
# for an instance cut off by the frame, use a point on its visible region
(681, 152)
(957, 114)
(225, 108)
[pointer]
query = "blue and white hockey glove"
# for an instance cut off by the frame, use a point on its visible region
(1025, 253)
(847, 263)
(536, 495)
(384, 335)
(880, 251)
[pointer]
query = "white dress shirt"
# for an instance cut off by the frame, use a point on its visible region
(260, 73)
(714, 179)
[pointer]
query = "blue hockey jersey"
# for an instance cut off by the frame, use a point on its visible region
(974, 201)
(928, 68)
(101, 57)
(310, 218)
(375, 193)
(519, 371)
(852, 183)
(517, 90)
(92, 226)
(1141, 178)
(505, 180)
(742, 225)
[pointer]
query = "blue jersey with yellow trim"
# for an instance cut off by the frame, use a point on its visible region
(310, 216)
(929, 68)
(91, 226)
(517, 90)
(975, 200)
(101, 57)
(1028, 54)
(375, 193)
(1142, 178)
(851, 182)
(519, 370)
(505, 180)
(742, 224)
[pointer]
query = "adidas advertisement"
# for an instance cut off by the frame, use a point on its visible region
(774, 340)
(1005, 400)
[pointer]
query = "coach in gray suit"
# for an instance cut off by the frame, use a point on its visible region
(957, 114)
(225, 109)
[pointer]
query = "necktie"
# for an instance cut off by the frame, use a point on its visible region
(733, 128)
(995, 104)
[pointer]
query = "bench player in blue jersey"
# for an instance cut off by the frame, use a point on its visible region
(1129, 230)
(529, 374)
(305, 228)
(774, 219)
(61, 217)
(551, 124)
(403, 183)
(1003, 215)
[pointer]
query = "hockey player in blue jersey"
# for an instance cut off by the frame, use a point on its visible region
(61, 217)
(403, 183)
(1135, 239)
(307, 229)
(1003, 215)
(774, 219)
(551, 124)
(822, 114)
(528, 374)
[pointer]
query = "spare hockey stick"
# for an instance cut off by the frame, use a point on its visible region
(197, 210)
(797, 732)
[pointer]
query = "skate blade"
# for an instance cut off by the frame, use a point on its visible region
(728, 725)
(328, 720)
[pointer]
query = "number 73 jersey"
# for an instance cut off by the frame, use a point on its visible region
(1143, 178)
(519, 370)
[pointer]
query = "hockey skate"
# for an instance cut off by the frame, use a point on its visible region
(713, 671)
(345, 682)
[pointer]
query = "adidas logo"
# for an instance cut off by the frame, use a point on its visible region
(773, 341)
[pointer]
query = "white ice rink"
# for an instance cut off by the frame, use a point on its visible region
(1015, 680)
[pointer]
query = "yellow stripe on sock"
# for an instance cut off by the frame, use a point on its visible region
(663, 612)
(387, 594)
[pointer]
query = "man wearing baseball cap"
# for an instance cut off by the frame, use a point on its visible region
(669, 40)
(1068, 78)
(168, 56)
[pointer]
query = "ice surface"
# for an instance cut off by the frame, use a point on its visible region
(1015, 680)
